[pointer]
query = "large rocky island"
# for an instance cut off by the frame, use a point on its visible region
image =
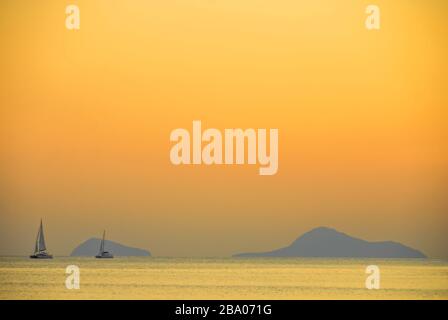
(325, 242)
(91, 247)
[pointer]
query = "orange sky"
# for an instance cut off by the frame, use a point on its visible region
(86, 117)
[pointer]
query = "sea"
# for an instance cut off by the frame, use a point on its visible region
(221, 278)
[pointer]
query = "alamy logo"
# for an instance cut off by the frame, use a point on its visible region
(72, 20)
(373, 18)
(373, 280)
(226, 149)
(73, 279)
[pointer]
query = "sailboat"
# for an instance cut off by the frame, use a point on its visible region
(103, 254)
(40, 248)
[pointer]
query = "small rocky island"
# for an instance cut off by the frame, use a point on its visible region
(90, 248)
(325, 242)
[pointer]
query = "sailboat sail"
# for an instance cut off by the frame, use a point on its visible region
(102, 243)
(36, 245)
(41, 240)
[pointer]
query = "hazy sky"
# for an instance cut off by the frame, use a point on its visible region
(86, 116)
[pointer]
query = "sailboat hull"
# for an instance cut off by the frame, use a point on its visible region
(41, 256)
(104, 255)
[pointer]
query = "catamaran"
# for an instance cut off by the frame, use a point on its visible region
(40, 250)
(103, 254)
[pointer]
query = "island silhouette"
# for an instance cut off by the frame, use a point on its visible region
(326, 242)
(91, 248)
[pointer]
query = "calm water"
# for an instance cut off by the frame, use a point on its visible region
(194, 278)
